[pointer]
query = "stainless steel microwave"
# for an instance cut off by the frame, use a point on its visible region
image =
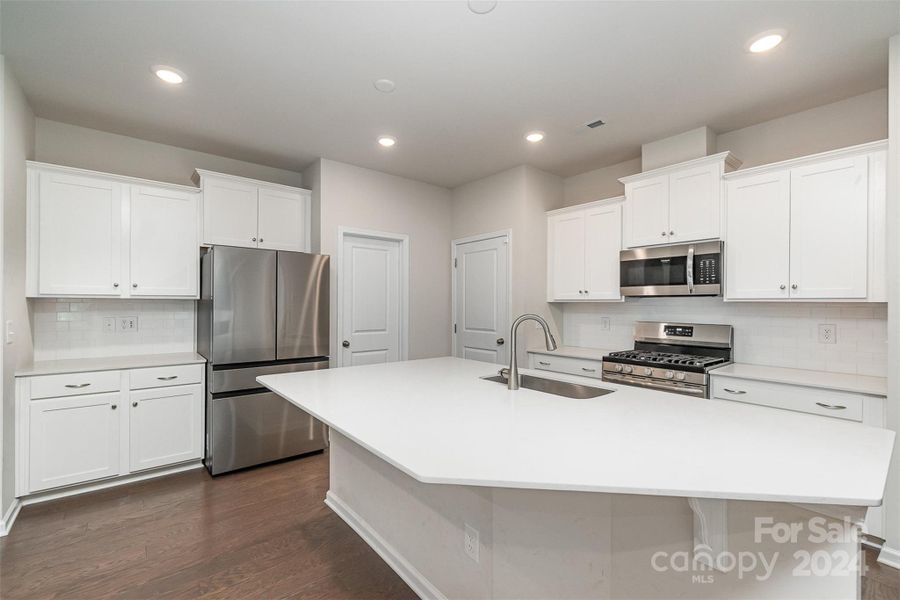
(681, 270)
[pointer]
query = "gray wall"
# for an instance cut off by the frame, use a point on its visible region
(18, 145)
(73, 146)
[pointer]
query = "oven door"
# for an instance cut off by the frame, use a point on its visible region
(682, 270)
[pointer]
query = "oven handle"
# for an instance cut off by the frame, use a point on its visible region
(689, 390)
(690, 269)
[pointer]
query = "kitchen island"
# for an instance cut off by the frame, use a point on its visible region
(636, 493)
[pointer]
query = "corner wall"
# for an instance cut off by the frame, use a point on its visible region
(18, 145)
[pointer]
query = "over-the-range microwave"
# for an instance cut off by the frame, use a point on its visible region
(678, 270)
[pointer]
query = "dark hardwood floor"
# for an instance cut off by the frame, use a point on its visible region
(261, 533)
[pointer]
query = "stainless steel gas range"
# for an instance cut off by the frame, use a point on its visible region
(671, 357)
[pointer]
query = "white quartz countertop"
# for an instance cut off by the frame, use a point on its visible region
(109, 363)
(573, 352)
(438, 422)
(859, 384)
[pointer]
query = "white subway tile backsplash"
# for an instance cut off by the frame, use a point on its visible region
(74, 328)
(765, 333)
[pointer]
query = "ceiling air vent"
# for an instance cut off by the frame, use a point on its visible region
(596, 124)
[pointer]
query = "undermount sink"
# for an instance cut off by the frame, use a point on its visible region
(552, 386)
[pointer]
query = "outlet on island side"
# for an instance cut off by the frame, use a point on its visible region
(470, 542)
(827, 334)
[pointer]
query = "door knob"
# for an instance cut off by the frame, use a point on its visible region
(500, 341)
(345, 344)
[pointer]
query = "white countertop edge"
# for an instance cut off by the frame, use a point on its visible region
(842, 382)
(680, 493)
(573, 352)
(108, 363)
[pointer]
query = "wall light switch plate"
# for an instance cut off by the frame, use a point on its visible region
(109, 324)
(827, 334)
(470, 542)
(10, 334)
(128, 324)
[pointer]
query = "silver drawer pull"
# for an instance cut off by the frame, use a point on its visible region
(546, 364)
(169, 378)
(737, 392)
(831, 406)
(588, 370)
(76, 386)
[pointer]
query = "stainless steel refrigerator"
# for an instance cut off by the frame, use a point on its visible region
(260, 312)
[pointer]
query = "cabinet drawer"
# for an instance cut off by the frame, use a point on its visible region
(166, 376)
(565, 364)
(74, 384)
(827, 403)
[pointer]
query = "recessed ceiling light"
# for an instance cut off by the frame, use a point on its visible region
(535, 136)
(387, 141)
(482, 7)
(385, 85)
(168, 74)
(766, 41)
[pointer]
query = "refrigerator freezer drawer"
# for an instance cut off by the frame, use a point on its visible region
(244, 378)
(256, 428)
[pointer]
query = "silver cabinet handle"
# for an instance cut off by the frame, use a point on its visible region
(134, 404)
(252, 239)
(736, 392)
(260, 240)
(671, 233)
(115, 285)
(831, 406)
(546, 364)
(77, 386)
(664, 234)
(500, 341)
(588, 370)
(782, 286)
(134, 285)
(793, 286)
(114, 406)
(585, 291)
(169, 378)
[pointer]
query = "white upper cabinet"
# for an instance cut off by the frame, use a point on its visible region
(79, 226)
(809, 229)
(678, 203)
(254, 214)
(164, 244)
(583, 245)
(99, 235)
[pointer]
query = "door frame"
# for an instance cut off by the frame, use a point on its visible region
(454, 247)
(403, 239)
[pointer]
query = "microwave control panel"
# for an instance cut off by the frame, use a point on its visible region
(706, 269)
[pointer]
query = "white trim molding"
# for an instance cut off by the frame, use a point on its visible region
(890, 557)
(422, 587)
(403, 240)
(9, 518)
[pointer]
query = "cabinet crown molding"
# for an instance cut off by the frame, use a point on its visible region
(577, 207)
(730, 161)
(199, 174)
(809, 159)
(126, 179)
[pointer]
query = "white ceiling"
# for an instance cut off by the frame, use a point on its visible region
(282, 83)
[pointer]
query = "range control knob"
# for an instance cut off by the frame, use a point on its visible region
(669, 374)
(679, 376)
(618, 368)
(628, 369)
(648, 371)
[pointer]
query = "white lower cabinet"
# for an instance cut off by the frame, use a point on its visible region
(75, 437)
(585, 367)
(166, 426)
(73, 440)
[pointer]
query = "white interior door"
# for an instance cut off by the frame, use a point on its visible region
(482, 300)
(370, 320)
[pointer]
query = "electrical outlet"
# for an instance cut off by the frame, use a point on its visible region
(128, 323)
(10, 334)
(604, 323)
(470, 543)
(827, 334)
(109, 324)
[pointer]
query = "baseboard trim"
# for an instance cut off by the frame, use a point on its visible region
(408, 573)
(9, 518)
(889, 556)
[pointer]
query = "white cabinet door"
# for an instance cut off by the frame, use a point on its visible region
(283, 219)
(647, 212)
(694, 200)
(164, 245)
(829, 229)
(80, 232)
(565, 242)
(229, 212)
(166, 426)
(72, 440)
(603, 241)
(758, 232)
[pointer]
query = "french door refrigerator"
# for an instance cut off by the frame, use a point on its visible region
(260, 312)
